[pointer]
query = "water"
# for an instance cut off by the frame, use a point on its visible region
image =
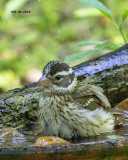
(99, 147)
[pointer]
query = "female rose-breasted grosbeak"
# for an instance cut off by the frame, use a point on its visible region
(69, 108)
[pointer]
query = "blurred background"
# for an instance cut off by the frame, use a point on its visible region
(49, 31)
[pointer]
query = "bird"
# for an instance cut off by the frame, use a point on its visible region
(69, 108)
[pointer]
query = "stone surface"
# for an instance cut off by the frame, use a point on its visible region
(49, 141)
(123, 105)
(112, 146)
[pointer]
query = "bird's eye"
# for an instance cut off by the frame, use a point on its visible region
(58, 77)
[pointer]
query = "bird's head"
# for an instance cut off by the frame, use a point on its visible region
(58, 77)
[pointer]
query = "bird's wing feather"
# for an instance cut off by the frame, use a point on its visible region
(91, 96)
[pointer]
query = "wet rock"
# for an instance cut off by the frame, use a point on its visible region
(11, 135)
(123, 105)
(49, 141)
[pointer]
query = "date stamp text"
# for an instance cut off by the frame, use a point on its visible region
(21, 11)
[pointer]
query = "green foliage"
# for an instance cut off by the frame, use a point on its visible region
(66, 33)
(27, 38)
(107, 12)
(48, 32)
(124, 15)
(99, 6)
(8, 79)
(87, 12)
(97, 50)
(99, 45)
(13, 5)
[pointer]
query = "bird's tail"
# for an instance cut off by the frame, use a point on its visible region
(95, 122)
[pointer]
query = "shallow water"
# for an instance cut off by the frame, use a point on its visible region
(106, 146)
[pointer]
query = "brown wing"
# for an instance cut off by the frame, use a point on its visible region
(91, 97)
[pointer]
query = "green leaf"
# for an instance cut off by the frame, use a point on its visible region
(87, 43)
(99, 44)
(99, 48)
(13, 5)
(124, 15)
(127, 36)
(96, 4)
(115, 137)
(107, 46)
(87, 12)
(79, 56)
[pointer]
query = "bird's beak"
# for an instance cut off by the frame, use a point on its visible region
(43, 81)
